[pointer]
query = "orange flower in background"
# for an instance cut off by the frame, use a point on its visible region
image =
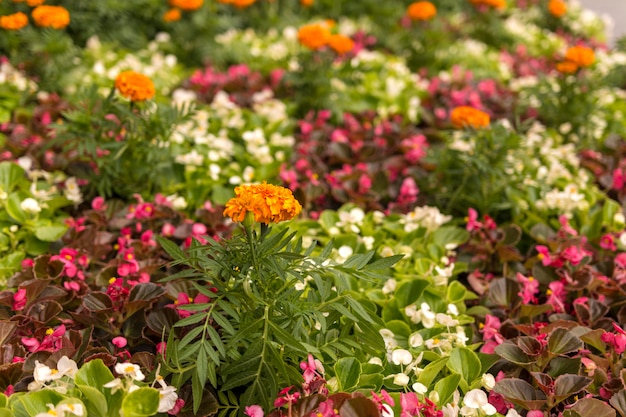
(307, 3)
(172, 15)
(187, 5)
(31, 3)
(566, 67)
(580, 55)
(421, 10)
(242, 4)
(268, 203)
(55, 17)
(134, 86)
(467, 116)
(496, 4)
(314, 36)
(340, 43)
(557, 8)
(13, 21)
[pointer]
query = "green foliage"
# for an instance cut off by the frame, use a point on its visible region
(273, 304)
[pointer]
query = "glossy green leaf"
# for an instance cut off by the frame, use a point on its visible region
(465, 363)
(561, 341)
(520, 392)
(409, 292)
(593, 407)
(568, 385)
(142, 402)
(446, 387)
(348, 372)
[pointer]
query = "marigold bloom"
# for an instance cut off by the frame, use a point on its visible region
(421, 10)
(566, 67)
(340, 43)
(268, 203)
(242, 4)
(467, 116)
(31, 3)
(496, 4)
(13, 21)
(55, 17)
(306, 3)
(188, 5)
(557, 8)
(134, 86)
(172, 15)
(314, 36)
(580, 55)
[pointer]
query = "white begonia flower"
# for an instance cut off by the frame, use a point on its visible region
(476, 403)
(26, 162)
(416, 340)
(387, 411)
(420, 388)
(61, 410)
(452, 310)
(72, 191)
(67, 366)
(344, 252)
(401, 357)
(30, 205)
(376, 361)
(131, 370)
(413, 313)
(619, 219)
(488, 381)
(433, 396)
(386, 251)
(368, 242)
(446, 320)
(115, 385)
(427, 316)
(390, 286)
(512, 413)
(401, 379)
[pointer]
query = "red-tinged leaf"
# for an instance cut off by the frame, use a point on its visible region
(592, 407)
(562, 341)
(568, 385)
(618, 400)
(545, 382)
(521, 393)
(513, 353)
(359, 407)
(529, 345)
(97, 301)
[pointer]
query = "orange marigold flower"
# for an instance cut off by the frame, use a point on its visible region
(496, 4)
(56, 17)
(566, 67)
(340, 43)
(467, 116)
(557, 8)
(580, 55)
(172, 15)
(314, 36)
(13, 21)
(134, 86)
(268, 203)
(242, 4)
(421, 10)
(306, 3)
(188, 5)
(33, 3)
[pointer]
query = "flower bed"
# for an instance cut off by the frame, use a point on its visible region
(311, 208)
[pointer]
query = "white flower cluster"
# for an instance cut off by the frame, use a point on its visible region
(427, 217)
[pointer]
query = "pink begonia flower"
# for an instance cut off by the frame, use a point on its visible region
(491, 328)
(472, 220)
(410, 404)
(254, 411)
(365, 183)
(119, 342)
(565, 226)
(51, 341)
(546, 258)
(414, 148)
(535, 413)
(590, 366)
(408, 191)
(618, 179)
(168, 230)
(574, 254)
(284, 397)
(620, 260)
(556, 296)
(326, 409)
(530, 287)
(607, 242)
(616, 340)
(19, 299)
(98, 204)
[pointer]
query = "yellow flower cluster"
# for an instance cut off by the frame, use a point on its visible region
(134, 86)
(467, 116)
(13, 21)
(268, 203)
(421, 10)
(56, 17)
